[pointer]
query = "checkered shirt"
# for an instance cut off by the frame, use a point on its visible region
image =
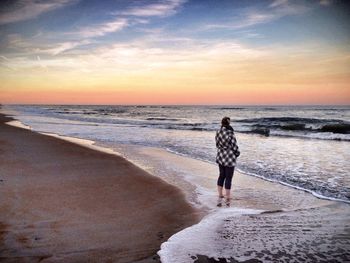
(227, 147)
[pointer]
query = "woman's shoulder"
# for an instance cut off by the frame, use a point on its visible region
(228, 129)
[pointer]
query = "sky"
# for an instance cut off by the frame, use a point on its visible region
(239, 52)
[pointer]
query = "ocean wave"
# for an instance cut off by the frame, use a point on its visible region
(230, 108)
(343, 128)
(97, 110)
(327, 131)
(161, 119)
(293, 127)
(292, 124)
(111, 110)
(320, 190)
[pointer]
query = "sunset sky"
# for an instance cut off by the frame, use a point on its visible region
(175, 52)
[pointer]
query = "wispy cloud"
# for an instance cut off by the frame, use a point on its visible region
(143, 56)
(137, 57)
(326, 2)
(102, 28)
(61, 47)
(6, 62)
(276, 10)
(16, 44)
(41, 63)
(4, 58)
(28, 46)
(278, 3)
(21, 10)
(130, 17)
(161, 9)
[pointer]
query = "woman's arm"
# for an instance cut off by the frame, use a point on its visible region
(235, 146)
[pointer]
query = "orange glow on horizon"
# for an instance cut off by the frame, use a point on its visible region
(219, 77)
(294, 96)
(172, 52)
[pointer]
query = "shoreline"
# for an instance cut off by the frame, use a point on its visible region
(315, 194)
(284, 210)
(63, 202)
(94, 146)
(266, 219)
(323, 192)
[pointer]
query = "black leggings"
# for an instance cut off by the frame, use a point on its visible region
(226, 174)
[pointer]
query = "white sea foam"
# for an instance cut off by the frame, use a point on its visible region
(18, 124)
(200, 239)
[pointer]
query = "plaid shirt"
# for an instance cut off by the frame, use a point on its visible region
(226, 144)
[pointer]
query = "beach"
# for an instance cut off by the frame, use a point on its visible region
(117, 117)
(151, 203)
(61, 202)
(265, 222)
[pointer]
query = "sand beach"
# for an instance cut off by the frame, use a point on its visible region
(61, 202)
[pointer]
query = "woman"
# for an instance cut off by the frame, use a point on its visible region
(227, 154)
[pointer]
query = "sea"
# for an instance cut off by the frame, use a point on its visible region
(306, 147)
(302, 147)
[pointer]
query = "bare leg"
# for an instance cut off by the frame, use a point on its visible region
(228, 194)
(220, 191)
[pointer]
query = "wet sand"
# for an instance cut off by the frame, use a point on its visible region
(295, 226)
(61, 202)
(320, 234)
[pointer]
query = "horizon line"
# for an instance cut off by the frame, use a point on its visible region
(233, 105)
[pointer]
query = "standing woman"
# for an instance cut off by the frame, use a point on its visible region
(228, 151)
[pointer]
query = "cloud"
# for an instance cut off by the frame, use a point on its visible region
(276, 10)
(27, 9)
(137, 56)
(63, 47)
(326, 2)
(161, 9)
(19, 45)
(143, 56)
(16, 40)
(103, 28)
(250, 19)
(41, 63)
(5, 58)
(278, 3)
(5, 62)
(130, 17)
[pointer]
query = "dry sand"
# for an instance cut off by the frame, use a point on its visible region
(61, 202)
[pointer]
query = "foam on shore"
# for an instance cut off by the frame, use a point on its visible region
(201, 238)
(265, 220)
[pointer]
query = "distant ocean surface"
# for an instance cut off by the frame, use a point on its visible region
(306, 147)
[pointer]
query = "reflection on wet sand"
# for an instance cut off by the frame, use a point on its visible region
(263, 222)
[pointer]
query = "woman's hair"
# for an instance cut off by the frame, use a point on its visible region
(225, 121)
